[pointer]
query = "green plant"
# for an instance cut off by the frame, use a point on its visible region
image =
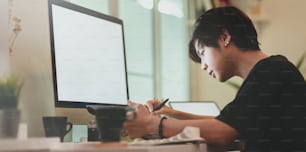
(298, 65)
(10, 88)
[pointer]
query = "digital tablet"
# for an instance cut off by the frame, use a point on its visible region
(207, 108)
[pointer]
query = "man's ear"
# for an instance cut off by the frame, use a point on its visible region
(226, 37)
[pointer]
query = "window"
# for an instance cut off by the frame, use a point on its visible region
(156, 38)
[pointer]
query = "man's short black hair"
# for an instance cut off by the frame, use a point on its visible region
(210, 25)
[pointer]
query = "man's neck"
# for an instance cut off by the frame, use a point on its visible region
(247, 60)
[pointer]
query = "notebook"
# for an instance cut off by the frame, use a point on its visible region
(207, 108)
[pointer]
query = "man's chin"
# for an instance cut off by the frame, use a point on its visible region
(221, 79)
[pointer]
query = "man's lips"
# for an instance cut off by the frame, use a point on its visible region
(211, 73)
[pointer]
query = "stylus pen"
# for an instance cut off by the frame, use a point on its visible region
(161, 105)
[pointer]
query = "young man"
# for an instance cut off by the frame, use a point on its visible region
(268, 112)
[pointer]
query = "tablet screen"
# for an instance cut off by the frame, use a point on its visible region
(208, 108)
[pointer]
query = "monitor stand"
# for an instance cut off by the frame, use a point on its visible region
(92, 108)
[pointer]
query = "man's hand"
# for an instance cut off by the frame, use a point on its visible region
(151, 104)
(144, 124)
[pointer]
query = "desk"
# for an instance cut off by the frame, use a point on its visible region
(54, 145)
(77, 147)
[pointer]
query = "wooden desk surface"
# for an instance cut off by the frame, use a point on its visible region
(54, 145)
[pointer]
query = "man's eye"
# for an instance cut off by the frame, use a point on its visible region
(202, 53)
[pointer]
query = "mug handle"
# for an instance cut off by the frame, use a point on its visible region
(69, 127)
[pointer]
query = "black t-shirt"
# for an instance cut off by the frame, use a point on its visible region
(269, 110)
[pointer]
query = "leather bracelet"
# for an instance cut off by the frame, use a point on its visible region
(160, 127)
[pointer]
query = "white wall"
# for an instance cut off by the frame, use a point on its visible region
(31, 60)
(283, 33)
(4, 38)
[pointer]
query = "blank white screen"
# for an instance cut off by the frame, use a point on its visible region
(89, 58)
(199, 108)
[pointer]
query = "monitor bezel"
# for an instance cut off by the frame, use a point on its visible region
(80, 9)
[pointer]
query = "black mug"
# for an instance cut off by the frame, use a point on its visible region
(56, 126)
(110, 121)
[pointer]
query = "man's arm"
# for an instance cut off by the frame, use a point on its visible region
(214, 131)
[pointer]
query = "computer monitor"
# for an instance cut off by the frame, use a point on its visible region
(88, 57)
